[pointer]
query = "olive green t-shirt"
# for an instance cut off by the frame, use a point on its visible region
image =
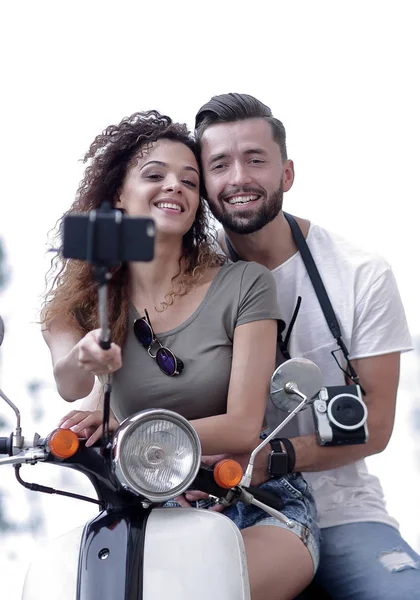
(241, 292)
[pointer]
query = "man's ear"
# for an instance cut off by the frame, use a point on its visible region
(288, 175)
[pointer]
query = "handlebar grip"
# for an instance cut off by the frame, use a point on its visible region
(204, 481)
(105, 345)
(6, 445)
(98, 444)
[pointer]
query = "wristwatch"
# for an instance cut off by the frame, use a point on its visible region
(278, 461)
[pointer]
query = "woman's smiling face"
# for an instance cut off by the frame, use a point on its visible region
(164, 184)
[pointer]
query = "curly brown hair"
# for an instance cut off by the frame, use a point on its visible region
(72, 295)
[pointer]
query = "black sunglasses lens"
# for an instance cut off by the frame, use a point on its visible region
(143, 332)
(166, 361)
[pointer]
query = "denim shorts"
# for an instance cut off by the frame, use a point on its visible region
(298, 508)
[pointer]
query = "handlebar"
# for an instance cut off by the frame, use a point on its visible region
(6, 445)
(204, 482)
(29, 455)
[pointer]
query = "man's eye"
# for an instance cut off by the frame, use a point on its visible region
(256, 161)
(218, 167)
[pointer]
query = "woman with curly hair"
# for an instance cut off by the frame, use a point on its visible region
(190, 331)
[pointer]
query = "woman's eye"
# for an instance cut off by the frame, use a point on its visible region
(154, 176)
(191, 184)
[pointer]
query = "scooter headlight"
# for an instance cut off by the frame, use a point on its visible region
(157, 454)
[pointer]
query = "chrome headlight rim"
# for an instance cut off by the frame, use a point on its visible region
(124, 431)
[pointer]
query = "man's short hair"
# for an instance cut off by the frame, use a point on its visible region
(228, 108)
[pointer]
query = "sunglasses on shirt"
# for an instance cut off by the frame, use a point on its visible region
(166, 360)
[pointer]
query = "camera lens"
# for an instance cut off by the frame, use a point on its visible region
(347, 412)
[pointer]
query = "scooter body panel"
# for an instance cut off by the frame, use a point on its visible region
(53, 573)
(188, 553)
(192, 554)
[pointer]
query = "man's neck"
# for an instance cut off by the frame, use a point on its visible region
(271, 246)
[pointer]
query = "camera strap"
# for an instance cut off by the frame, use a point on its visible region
(321, 293)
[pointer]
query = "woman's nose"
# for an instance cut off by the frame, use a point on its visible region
(172, 185)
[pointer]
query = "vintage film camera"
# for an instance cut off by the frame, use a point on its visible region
(340, 416)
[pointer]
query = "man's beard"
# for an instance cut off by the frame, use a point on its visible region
(249, 221)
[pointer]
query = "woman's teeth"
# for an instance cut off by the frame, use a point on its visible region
(169, 205)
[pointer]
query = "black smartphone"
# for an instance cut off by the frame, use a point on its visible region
(108, 237)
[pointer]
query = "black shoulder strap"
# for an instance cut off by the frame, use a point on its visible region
(282, 344)
(314, 276)
(320, 292)
(231, 251)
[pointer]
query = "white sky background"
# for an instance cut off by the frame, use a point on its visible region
(343, 78)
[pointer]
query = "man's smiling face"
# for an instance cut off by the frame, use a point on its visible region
(243, 173)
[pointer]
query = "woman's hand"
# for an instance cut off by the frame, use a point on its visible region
(194, 495)
(87, 424)
(93, 358)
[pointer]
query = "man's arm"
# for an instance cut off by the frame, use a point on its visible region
(379, 376)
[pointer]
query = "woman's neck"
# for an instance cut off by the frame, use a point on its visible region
(149, 282)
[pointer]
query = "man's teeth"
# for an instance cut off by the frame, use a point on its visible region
(169, 205)
(242, 199)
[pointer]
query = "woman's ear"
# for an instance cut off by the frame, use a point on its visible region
(118, 204)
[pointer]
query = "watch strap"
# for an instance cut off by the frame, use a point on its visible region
(275, 445)
(291, 455)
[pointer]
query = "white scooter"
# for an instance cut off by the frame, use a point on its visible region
(135, 549)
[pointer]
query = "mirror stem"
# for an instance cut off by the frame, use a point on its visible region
(18, 440)
(290, 388)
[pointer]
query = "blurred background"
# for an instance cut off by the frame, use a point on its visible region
(343, 78)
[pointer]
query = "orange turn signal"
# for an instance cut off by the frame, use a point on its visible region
(227, 473)
(63, 443)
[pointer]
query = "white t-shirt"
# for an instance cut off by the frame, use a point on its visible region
(367, 304)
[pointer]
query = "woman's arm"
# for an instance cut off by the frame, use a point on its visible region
(77, 359)
(253, 361)
(95, 400)
(237, 431)
(87, 420)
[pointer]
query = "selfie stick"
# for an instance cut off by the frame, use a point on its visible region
(102, 275)
(111, 239)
